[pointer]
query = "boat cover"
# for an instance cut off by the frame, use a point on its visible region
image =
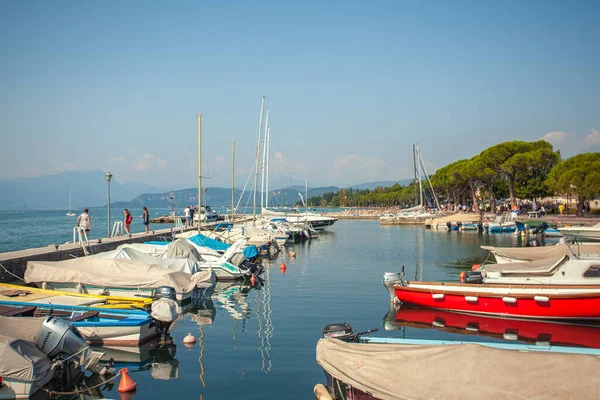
(181, 248)
(459, 371)
(542, 266)
(459, 217)
(185, 264)
(22, 360)
(116, 273)
(201, 240)
(22, 328)
(540, 252)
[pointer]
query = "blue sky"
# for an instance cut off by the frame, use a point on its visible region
(351, 85)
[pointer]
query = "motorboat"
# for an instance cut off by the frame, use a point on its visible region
(36, 352)
(521, 254)
(502, 224)
(97, 326)
(316, 221)
(119, 277)
(542, 333)
(206, 215)
(10, 292)
(395, 368)
(582, 233)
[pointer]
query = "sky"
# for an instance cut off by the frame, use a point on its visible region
(350, 85)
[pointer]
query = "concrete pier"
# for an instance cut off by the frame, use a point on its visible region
(16, 261)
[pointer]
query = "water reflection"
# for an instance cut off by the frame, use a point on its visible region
(529, 331)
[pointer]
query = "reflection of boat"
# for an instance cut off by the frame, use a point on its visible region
(537, 332)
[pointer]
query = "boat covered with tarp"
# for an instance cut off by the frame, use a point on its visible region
(118, 277)
(518, 254)
(458, 371)
(184, 264)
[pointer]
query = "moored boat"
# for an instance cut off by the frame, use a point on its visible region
(583, 233)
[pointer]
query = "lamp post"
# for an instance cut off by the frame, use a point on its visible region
(108, 178)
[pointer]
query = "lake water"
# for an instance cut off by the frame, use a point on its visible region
(259, 343)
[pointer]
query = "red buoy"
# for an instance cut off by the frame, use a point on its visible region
(127, 384)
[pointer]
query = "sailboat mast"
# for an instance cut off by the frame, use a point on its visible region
(415, 171)
(262, 108)
(264, 159)
(70, 188)
(232, 179)
(420, 178)
(267, 173)
(306, 195)
(199, 172)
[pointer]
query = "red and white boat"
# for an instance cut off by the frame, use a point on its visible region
(523, 301)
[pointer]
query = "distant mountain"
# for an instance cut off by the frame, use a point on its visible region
(89, 189)
(373, 185)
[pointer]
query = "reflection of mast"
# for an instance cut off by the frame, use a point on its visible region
(201, 344)
(264, 317)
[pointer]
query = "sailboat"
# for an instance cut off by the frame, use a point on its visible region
(70, 213)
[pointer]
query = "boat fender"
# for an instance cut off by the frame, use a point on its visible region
(80, 288)
(541, 299)
(509, 300)
(471, 299)
(437, 296)
(472, 327)
(475, 267)
(510, 336)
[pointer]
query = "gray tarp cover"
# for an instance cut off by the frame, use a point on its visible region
(536, 267)
(179, 264)
(542, 252)
(21, 328)
(115, 273)
(461, 371)
(22, 361)
(182, 249)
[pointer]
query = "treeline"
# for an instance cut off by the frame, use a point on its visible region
(516, 169)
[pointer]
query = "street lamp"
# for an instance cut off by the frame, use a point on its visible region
(108, 178)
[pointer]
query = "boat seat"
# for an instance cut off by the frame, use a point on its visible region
(83, 316)
(7, 311)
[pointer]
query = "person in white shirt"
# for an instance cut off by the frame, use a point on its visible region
(84, 221)
(186, 213)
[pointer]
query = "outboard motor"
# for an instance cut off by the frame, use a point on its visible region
(58, 339)
(389, 280)
(532, 243)
(165, 292)
(471, 277)
(342, 331)
(164, 313)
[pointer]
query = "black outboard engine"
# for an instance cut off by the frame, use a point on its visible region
(165, 292)
(480, 226)
(342, 331)
(532, 243)
(471, 277)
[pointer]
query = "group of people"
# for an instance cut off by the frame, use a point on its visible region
(188, 213)
(84, 221)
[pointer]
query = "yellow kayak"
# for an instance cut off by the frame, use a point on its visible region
(10, 292)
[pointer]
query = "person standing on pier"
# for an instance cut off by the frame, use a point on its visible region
(192, 211)
(186, 214)
(127, 221)
(84, 221)
(146, 217)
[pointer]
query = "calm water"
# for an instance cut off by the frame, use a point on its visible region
(260, 343)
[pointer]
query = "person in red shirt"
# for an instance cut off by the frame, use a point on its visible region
(127, 221)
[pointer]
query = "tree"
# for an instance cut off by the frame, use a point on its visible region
(579, 175)
(512, 158)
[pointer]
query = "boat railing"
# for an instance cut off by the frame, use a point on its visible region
(117, 229)
(80, 238)
(179, 225)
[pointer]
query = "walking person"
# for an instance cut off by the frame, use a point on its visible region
(84, 221)
(192, 211)
(146, 217)
(127, 221)
(186, 214)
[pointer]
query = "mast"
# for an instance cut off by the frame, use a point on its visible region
(264, 160)
(262, 107)
(415, 171)
(232, 178)
(420, 177)
(267, 173)
(70, 187)
(199, 172)
(306, 195)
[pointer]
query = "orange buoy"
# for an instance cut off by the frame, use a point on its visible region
(292, 254)
(252, 280)
(127, 396)
(475, 267)
(189, 339)
(282, 267)
(462, 276)
(127, 384)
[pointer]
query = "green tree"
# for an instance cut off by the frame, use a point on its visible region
(579, 175)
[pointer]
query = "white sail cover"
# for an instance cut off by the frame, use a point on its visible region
(174, 264)
(460, 371)
(118, 273)
(22, 360)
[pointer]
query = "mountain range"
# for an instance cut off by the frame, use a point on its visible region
(90, 189)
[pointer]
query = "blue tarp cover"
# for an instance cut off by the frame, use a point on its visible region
(202, 240)
(250, 252)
